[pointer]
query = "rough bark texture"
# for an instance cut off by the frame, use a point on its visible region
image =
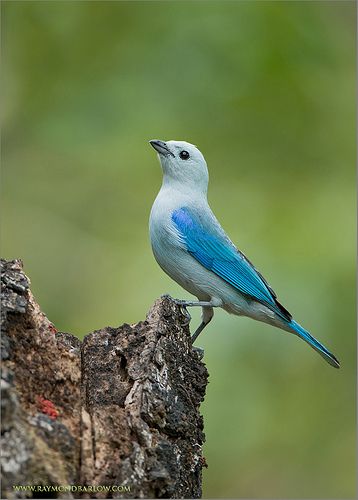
(119, 409)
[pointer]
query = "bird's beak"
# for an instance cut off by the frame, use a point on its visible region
(161, 147)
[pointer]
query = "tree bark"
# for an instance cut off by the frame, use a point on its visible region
(114, 416)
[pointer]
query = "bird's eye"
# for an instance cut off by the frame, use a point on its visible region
(184, 155)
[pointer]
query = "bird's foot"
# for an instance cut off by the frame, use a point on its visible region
(186, 314)
(199, 351)
(182, 305)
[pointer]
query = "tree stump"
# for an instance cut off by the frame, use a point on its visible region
(114, 416)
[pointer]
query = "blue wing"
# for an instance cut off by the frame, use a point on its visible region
(218, 254)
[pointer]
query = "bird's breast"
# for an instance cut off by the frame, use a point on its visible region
(164, 236)
(168, 248)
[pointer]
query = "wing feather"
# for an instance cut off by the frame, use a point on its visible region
(217, 254)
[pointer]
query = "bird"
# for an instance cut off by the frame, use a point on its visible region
(190, 246)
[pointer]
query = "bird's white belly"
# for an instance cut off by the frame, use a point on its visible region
(177, 264)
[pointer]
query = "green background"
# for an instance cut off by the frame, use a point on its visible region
(267, 92)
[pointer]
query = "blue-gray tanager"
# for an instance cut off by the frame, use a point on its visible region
(192, 248)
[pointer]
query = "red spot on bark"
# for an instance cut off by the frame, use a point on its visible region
(52, 328)
(47, 407)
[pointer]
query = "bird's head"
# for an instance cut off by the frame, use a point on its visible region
(184, 167)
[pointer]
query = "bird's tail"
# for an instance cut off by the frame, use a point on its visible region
(307, 337)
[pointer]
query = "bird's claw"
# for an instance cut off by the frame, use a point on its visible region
(185, 313)
(182, 306)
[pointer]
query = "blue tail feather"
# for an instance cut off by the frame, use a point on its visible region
(307, 337)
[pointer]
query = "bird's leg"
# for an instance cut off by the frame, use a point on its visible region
(206, 316)
(192, 303)
(183, 304)
(198, 331)
(189, 303)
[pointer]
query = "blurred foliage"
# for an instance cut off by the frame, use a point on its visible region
(267, 92)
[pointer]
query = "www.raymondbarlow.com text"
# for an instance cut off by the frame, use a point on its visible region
(37, 488)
